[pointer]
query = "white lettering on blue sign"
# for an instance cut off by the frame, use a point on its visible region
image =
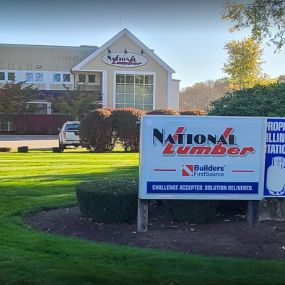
(274, 177)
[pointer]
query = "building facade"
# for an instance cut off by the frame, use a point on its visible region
(122, 73)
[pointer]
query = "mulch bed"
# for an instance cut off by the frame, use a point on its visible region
(226, 236)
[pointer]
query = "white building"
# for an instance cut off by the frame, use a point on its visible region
(122, 73)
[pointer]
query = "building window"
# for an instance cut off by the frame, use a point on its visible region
(134, 90)
(6, 126)
(39, 77)
(2, 75)
(56, 77)
(81, 77)
(66, 77)
(29, 77)
(91, 78)
(11, 76)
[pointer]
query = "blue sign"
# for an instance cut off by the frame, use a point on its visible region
(203, 187)
(274, 178)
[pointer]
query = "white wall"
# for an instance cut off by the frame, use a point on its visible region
(175, 94)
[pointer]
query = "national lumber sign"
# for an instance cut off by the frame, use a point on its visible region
(192, 157)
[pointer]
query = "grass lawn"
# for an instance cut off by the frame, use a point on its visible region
(39, 180)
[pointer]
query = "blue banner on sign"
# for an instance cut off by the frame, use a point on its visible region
(274, 177)
(203, 187)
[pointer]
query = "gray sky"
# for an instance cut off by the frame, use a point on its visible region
(188, 35)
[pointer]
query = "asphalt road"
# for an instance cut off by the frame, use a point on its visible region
(33, 142)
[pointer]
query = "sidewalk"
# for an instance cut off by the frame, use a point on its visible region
(32, 141)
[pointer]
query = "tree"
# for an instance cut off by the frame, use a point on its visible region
(13, 97)
(76, 103)
(265, 80)
(281, 79)
(244, 63)
(265, 18)
(200, 95)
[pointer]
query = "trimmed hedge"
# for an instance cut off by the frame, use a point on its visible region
(266, 101)
(5, 149)
(195, 211)
(163, 112)
(35, 124)
(101, 128)
(109, 200)
(57, 149)
(96, 131)
(126, 125)
(23, 149)
(194, 112)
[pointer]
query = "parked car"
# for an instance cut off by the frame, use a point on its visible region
(69, 134)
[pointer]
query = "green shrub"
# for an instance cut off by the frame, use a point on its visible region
(126, 125)
(57, 149)
(109, 200)
(257, 101)
(5, 149)
(96, 131)
(163, 112)
(195, 211)
(194, 112)
(23, 149)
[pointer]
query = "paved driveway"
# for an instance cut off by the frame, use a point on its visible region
(33, 142)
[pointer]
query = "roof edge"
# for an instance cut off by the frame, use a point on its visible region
(132, 37)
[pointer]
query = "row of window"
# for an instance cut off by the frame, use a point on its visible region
(135, 91)
(134, 79)
(83, 78)
(35, 77)
(39, 77)
(56, 77)
(10, 77)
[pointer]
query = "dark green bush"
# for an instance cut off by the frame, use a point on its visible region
(195, 211)
(23, 149)
(96, 131)
(163, 112)
(109, 200)
(57, 149)
(194, 112)
(126, 125)
(5, 149)
(257, 101)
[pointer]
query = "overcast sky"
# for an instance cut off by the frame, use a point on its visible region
(188, 35)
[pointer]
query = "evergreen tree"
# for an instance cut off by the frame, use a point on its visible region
(13, 97)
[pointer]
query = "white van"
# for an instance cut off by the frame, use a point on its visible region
(69, 134)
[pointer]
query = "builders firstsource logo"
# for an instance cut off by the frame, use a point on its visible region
(184, 143)
(202, 170)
